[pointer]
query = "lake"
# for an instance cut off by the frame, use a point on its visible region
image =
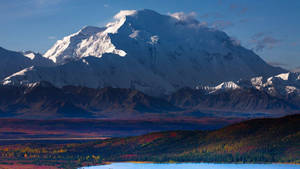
(193, 166)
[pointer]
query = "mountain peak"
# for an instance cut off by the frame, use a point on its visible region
(137, 13)
(90, 30)
(279, 85)
(289, 76)
(145, 26)
(124, 13)
(228, 85)
(64, 50)
(151, 52)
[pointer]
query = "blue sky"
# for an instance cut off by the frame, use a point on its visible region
(270, 27)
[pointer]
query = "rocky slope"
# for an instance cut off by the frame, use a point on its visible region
(43, 101)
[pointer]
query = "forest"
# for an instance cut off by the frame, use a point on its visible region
(253, 141)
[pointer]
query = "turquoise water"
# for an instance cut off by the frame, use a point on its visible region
(193, 166)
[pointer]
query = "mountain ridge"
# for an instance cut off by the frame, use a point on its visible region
(43, 100)
(154, 53)
(12, 62)
(285, 85)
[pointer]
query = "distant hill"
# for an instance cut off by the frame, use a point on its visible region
(42, 100)
(253, 141)
(260, 140)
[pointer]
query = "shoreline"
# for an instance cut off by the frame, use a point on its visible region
(56, 139)
(174, 162)
(22, 165)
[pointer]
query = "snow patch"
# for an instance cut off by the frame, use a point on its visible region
(223, 86)
(30, 55)
(97, 46)
(290, 89)
(154, 39)
(257, 82)
(134, 34)
(227, 85)
(284, 76)
(84, 61)
(8, 81)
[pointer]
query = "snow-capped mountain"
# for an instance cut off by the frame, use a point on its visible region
(223, 86)
(285, 84)
(282, 84)
(145, 50)
(65, 50)
(38, 59)
(12, 62)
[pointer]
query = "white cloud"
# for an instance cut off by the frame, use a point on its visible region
(188, 19)
(263, 41)
(183, 16)
(124, 13)
(278, 64)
